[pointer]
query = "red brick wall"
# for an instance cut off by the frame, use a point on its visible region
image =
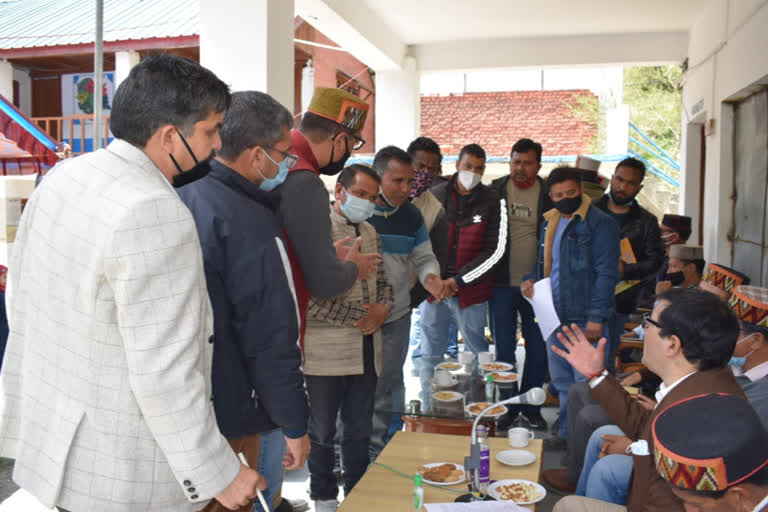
(496, 120)
(326, 63)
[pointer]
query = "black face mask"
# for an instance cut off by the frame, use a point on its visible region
(676, 278)
(568, 205)
(200, 170)
(334, 168)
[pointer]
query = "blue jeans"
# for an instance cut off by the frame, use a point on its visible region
(605, 479)
(271, 450)
(503, 308)
(389, 401)
(435, 321)
(563, 376)
(453, 334)
(617, 329)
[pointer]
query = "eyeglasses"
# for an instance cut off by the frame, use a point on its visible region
(357, 142)
(648, 320)
(289, 158)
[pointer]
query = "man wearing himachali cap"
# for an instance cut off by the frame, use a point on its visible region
(328, 132)
(712, 451)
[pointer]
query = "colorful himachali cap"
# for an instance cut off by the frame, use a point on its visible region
(340, 106)
(750, 303)
(678, 223)
(686, 252)
(709, 442)
(723, 277)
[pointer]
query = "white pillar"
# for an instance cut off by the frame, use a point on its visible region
(124, 63)
(6, 80)
(249, 45)
(398, 107)
(617, 130)
(307, 85)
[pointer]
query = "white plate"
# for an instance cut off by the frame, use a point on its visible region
(454, 396)
(492, 490)
(487, 415)
(458, 466)
(516, 457)
(503, 382)
(497, 366)
(450, 365)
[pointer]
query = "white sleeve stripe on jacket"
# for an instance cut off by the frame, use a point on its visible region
(501, 246)
(289, 277)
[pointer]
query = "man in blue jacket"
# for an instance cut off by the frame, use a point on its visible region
(258, 386)
(580, 254)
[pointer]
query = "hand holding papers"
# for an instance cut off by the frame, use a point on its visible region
(544, 307)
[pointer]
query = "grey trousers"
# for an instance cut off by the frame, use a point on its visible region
(389, 400)
(584, 417)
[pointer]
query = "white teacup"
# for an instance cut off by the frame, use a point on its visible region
(519, 437)
(445, 378)
(466, 358)
(483, 357)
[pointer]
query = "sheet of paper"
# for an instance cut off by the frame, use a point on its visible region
(478, 506)
(544, 308)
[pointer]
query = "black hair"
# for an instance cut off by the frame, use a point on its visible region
(165, 89)
(347, 175)
(635, 164)
(526, 145)
(472, 149)
(424, 144)
(750, 328)
(705, 325)
(387, 153)
(253, 119)
(318, 128)
(700, 264)
(563, 173)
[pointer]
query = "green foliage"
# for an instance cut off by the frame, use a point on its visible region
(588, 108)
(655, 107)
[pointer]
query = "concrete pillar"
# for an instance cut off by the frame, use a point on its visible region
(398, 107)
(249, 45)
(307, 85)
(124, 63)
(617, 130)
(6, 79)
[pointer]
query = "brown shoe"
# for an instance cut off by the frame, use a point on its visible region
(557, 480)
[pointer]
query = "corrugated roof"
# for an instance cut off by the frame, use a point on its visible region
(37, 23)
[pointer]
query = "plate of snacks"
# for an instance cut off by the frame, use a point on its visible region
(522, 492)
(449, 365)
(442, 473)
(446, 396)
(497, 366)
(476, 408)
(504, 378)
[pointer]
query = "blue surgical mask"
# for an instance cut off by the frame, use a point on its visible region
(356, 209)
(282, 172)
(738, 362)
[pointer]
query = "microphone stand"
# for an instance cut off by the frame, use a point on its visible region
(534, 396)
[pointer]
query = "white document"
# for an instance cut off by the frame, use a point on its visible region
(477, 506)
(544, 308)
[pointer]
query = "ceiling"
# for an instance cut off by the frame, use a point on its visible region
(429, 21)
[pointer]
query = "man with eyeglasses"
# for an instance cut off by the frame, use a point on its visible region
(641, 228)
(258, 387)
(329, 130)
(689, 339)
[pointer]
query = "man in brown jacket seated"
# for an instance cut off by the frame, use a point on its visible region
(689, 338)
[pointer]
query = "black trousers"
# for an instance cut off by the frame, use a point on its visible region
(351, 396)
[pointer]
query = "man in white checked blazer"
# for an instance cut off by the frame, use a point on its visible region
(105, 398)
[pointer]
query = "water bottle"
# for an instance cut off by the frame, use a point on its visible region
(484, 472)
(489, 388)
(418, 493)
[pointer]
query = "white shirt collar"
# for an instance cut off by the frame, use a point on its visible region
(664, 389)
(757, 372)
(760, 506)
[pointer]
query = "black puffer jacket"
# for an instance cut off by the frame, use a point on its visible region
(642, 230)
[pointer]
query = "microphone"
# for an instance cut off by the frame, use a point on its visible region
(534, 396)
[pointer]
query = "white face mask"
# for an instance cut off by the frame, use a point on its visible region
(469, 180)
